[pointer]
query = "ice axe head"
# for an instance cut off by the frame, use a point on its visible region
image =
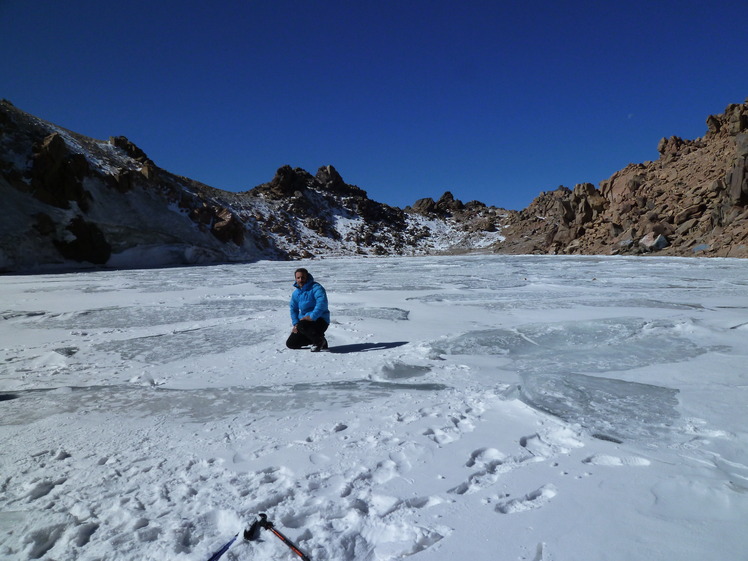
(253, 532)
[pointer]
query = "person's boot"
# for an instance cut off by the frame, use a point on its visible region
(319, 345)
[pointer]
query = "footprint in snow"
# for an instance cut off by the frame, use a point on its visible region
(531, 501)
(43, 488)
(490, 464)
(459, 424)
(539, 447)
(441, 436)
(604, 460)
(554, 441)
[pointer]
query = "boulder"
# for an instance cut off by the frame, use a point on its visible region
(85, 242)
(714, 124)
(737, 118)
(688, 213)
(227, 227)
(653, 242)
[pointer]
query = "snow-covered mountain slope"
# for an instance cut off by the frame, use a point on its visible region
(73, 201)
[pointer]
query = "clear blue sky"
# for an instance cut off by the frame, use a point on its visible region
(494, 101)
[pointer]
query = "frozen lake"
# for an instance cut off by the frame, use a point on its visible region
(465, 402)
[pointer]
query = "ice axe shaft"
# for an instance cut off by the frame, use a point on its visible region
(292, 546)
(223, 550)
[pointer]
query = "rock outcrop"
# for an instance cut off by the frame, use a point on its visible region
(72, 201)
(692, 201)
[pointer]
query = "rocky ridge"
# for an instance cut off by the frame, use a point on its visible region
(74, 201)
(692, 201)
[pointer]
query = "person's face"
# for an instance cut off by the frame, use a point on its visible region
(301, 278)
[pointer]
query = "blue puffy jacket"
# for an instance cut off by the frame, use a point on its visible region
(309, 300)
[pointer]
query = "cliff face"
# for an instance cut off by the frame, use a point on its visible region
(73, 201)
(692, 201)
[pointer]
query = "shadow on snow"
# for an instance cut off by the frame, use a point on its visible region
(364, 347)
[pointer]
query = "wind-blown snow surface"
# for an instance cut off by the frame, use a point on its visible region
(482, 408)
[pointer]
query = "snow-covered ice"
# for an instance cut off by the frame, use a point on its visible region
(483, 407)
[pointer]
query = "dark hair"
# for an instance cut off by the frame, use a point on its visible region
(301, 270)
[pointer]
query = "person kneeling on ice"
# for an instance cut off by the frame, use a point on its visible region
(309, 314)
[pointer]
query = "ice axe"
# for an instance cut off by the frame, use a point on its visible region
(253, 533)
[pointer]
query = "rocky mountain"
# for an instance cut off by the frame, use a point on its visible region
(692, 201)
(74, 202)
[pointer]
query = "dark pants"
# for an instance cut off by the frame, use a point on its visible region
(307, 333)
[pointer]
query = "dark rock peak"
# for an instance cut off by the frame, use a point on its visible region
(329, 180)
(445, 207)
(475, 205)
(329, 176)
(448, 201)
(130, 149)
(288, 182)
(425, 206)
(296, 182)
